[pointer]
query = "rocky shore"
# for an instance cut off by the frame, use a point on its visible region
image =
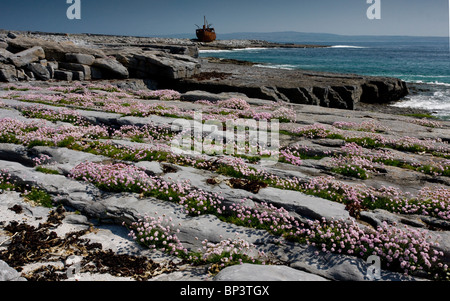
(174, 63)
(93, 187)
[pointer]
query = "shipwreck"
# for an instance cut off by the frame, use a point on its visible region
(206, 33)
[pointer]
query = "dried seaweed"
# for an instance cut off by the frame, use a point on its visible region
(249, 185)
(40, 244)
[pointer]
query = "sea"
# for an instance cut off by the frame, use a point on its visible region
(422, 62)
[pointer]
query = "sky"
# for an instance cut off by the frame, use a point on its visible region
(165, 17)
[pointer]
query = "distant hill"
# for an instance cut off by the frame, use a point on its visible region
(305, 38)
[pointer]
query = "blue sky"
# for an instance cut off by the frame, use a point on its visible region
(163, 17)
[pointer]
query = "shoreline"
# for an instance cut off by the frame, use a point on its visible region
(414, 88)
(101, 39)
(118, 46)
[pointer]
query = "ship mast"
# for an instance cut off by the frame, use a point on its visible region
(206, 25)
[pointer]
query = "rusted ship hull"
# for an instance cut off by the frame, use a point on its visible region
(206, 35)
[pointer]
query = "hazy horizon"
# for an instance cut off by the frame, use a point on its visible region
(229, 34)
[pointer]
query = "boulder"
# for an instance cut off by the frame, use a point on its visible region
(80, 58)
(177, 49)
(28, 56)
(202, 95)
(53, 64)
(4, 55)
(387, 89)
(84, 69)
(51, 67)
(253, 272)
(21, 75)
(12, 35)
(111, 68)
(29, 75)
(78, 75)
(40, 72)
(63, 75)
(96, 73)
(161, 65)
(7, 73)
(53, 50)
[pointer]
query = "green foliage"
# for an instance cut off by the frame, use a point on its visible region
(421, 115)
(39, 196)
(352, 171)
(47, 170)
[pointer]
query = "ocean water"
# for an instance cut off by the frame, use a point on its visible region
(424, 63)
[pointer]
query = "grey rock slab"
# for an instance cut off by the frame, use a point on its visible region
(40, 72)
(4, 55)
(209, 227)
(309, 206)
(187, 273)
(202, 95)
(60, 186)
(76, 219)
(78, 75)
(331, 266)
(111, 68)
(96, 73)
(28, 56)
(115, 238)
(196, 95)
(443, 240)
(128, 208)
(7, 273)
(297, 86)
(8, 73)
(78, 69)
(63, 75)
(53, 49)
(98, 117)
(12, 35)
(66, 159)
(15, 152)
(141, 121)
(10, 198)
(252, 272)
(148, 64)
(153, 167)
(13, 111)
(379, 216)
(284, 170)
(80, 58)
(198, 178)
(436, 222)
